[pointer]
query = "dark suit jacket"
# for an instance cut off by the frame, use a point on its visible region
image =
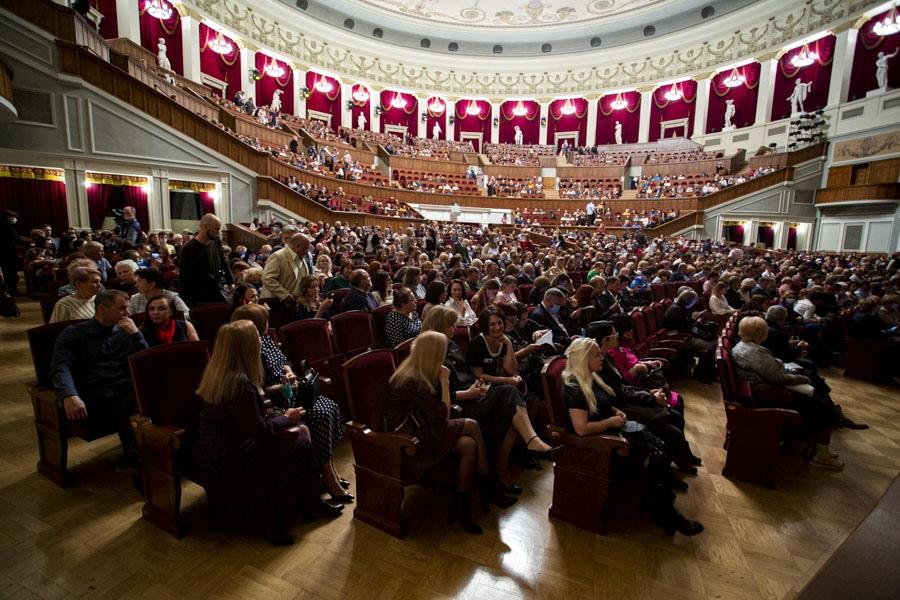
(358, 300)
(677, 318)
(778, 341)
(542, 319)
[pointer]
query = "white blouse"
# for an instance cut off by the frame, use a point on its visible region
(467, 316)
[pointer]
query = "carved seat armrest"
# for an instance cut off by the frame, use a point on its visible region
(381, 452)
(601, 442)
(147, 432)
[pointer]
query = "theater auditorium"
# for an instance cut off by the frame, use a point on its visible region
(407, 299)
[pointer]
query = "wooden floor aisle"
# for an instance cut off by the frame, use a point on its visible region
(89, 541)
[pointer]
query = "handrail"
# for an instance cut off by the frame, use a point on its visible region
(243, 236)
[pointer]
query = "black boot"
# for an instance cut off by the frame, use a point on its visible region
(491, 492)
(662, 507)
(461, 510)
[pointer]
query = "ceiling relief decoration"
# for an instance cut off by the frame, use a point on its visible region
(501, 13)
(590, 73)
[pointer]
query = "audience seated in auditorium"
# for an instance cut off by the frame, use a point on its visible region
(161, 325)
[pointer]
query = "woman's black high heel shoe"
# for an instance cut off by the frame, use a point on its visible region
(491, 492)
(461, 510)
(346, 498)
(511, 489)
(344, 483)
(552, 454)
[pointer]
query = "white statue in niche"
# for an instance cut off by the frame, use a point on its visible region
(436, 132)
(519, 138)
(618, 132)
(881, 68)
(729, 115)
(162, 59)
(275, 107)
(798, 96)
(361, 121)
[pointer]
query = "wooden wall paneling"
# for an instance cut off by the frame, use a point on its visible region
(839, 176)
(855, 193)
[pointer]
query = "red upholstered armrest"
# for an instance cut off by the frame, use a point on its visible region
(598, 442)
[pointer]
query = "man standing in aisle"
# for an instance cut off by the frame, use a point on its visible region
(130, 231)
(203, 276)
(591, 212)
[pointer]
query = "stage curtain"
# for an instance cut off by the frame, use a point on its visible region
(266, 85)
(744, 97)
(529, 123)
(104, 197)
(361, 107)
(868, 45)
(330, 102)
(109, 26)
(792, 238)
(407, 116)
(481, 121)
(819, 73)
(170, 30)
(438, 117)
(559, 122)
(225, 67)
(207, 203)
(36, 201)
(766, 235)
(733, 233)
(667, 110)
(629, 117)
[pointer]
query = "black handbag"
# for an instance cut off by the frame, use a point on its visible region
(8, 306)
(303, 392)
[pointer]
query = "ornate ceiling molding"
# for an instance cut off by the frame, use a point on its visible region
(591, 73)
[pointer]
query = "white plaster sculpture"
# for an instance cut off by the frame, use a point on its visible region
(361, 121)
(275, 107)
(798, 96)
(519, 138)
(618, 132)
(881, 68)
(162, 58)
(436, 132)
(729, 115)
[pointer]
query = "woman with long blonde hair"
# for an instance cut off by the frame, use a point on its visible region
(419, 404)
(254, 477)
(590, 403)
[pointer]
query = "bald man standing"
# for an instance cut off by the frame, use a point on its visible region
(203, 274)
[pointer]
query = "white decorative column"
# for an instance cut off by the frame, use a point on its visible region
(346, 115)
(248, 63)
(768, 67)
(495, 118)
(841, 66)
(545, 114)
(190, 46)
(449, 111)
(421, 104)
(128, 20)
(591, 137)
(299, 78)
(158, 201)
(701, 107)
(644, 127)
(76, 196)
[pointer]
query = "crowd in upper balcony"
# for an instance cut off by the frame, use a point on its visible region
(516, 187)
(518, 155)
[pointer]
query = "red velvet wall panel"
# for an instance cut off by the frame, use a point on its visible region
(629, 117)
(109, 26)
(818, 73)
(664, 109)
(743, 97)
(328, 101)
(569, 114)
(401, 109)
(868, 46)
(526, 114)
(169, 29)
(436, 114)
(478, 120)
(361, 98)
(225, 67)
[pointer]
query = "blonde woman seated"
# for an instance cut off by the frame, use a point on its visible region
(323, 268)
(590, 402)
(254, 479)
(717, 302)
(457, 301)
(309, 305)
(755, 364)
(418, 404)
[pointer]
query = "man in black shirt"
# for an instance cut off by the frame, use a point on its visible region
(203, 273)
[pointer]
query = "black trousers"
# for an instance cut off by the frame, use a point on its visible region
(110, 410)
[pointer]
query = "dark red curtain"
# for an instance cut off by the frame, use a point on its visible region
(109, 26)
(103, 197)
(361, 98)
(328, 102)
(170, 30)
(868, 45)
(733, 233)
(266, 85)
(765, 234)
(479, 121)
(664, 109)
(819, 73)
(629, 117)
(406, 115)
(743, 96)
(559, 121)
(792, 238)
(36, 201)
(225, 67)
(529, 122)
(436, 114)
(207, 203)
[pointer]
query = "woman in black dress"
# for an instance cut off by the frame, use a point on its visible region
(419, 404)
(403, 322)
(254, 478)
(160, 325)
(591, 405)
(324, 419)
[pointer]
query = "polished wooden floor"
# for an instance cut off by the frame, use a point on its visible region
(89, 540)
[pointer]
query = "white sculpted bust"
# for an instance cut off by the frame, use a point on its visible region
(798, 96)
(729, 115)
(881, 68)
(162, 58)
(618, 132)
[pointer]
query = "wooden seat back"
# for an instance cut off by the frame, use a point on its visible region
(208, 319)
(402, 350)
(353, 332)
(366, 381)
(41, 342)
